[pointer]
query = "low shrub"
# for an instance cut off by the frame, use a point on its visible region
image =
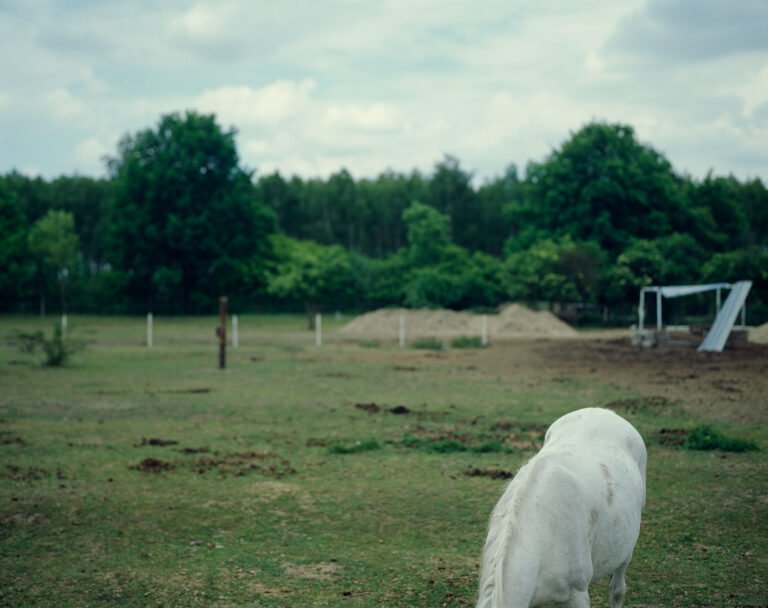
(57, 350)
(368, 445)
(467, 342)
(428, 344)
(449, 445)
(706, 437)
(369, 344)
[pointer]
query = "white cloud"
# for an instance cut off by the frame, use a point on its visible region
(752, 90)
(314, 86)
(89, 152)
(65, 106)
(268, 106)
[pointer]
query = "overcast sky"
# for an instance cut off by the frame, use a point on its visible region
(316, 85)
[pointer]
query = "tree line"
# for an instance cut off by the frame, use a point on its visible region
(178, 221)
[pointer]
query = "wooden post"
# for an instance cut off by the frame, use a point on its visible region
(222, 331)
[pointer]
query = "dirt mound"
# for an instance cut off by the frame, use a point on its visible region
(514, 320)
(759, 335)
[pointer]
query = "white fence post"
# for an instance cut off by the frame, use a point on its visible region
(64, 323)
(235, 339)
(484, 338)
(402, 331)
(318, 329)
(149, 330)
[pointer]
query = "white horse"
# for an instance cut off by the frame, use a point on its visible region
(569, 517)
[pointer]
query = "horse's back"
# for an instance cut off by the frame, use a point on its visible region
(576, 505)
(597, 429)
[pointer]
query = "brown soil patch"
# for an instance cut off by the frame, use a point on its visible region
(9, 438)
(490, 473)
(25, 520)
(371, 408)
(268, 591)
(671, 437)
(153, 465)
(727, 386)
(323, 571)
(238, 464)
(154, 441)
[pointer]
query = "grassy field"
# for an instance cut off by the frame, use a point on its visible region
(356, 474)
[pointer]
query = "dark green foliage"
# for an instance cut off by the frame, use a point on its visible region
(428, 344)
(706, 437)
(378, 283)
(316, 275)
(16, 269)
(467, 342)
(179, 223)
(57, 350)
(186, 226)
(448, 445)
(554, 271)
(369, 344)
(602, 185)
(368, 445)
(493, 446)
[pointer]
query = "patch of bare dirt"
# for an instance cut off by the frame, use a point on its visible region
(323, 571)
(238, 464)
(20, 473)
(153, 465)
(9, 438)
(154, 441)
(269, 591)
(490, 473)
(727, 386)
(671, 437)
(25, 520)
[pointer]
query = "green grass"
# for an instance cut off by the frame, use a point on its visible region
(467, 342)
(428, 344)
(149, 477)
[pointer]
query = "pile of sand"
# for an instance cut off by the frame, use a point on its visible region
(759, 334)
(512, 321)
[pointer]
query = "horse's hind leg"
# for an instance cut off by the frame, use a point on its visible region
(578, 599)
(618, 586)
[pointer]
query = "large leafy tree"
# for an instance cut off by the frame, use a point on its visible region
(186, 223)
(15, 268)
(601, 185)
(313, 274)
(438, 273)
(55, 246)
(554, 271)
(451, 192)
(87, 200)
